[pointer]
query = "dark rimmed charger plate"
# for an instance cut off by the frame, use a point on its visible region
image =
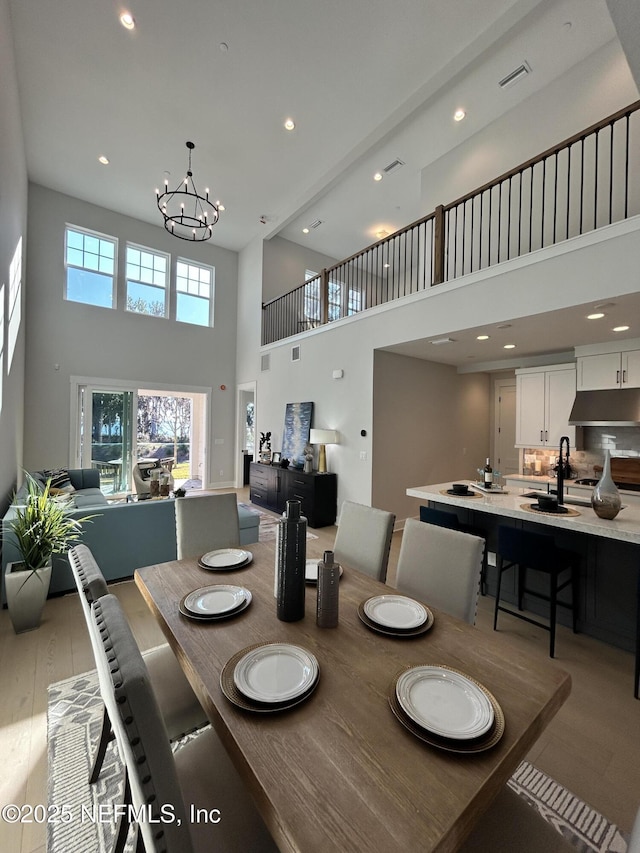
(462, 747)
(237, 698)
(395, 632)
(220, 617)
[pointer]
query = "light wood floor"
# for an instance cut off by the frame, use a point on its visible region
(592, 746)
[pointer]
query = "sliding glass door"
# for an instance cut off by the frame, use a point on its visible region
(107, 437)
(118, 424)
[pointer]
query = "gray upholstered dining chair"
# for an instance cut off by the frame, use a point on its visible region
(363, 540)
(511, 824)
(181, 711)
(205, 523)
(442, 567)
(199, 775)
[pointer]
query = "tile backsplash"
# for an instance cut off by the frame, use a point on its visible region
(619, 441)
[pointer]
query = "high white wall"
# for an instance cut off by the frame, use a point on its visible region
(582, 270)
(285, 264)
(573, 102)
(13, 241)
(115, 344)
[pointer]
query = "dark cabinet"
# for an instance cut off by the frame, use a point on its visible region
(271, 487)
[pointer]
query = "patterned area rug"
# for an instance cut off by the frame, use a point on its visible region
(74, 717)
(268, 525)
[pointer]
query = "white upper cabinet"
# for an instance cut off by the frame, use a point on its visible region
(544, 398)
(609, 370)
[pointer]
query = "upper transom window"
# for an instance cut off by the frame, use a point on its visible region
(90, 264)
(147, 279)
(194, 293)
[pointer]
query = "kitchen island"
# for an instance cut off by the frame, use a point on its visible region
(609, 555)
(513, 503)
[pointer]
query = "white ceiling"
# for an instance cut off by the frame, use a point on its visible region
(366, 81)
(539, 339)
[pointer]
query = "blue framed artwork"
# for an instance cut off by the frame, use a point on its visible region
(297, 424)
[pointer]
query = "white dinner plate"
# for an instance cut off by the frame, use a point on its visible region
(395, 611)
(215, 600)
(275, 673)
(226, 558)
(311, 571)
(444, 702)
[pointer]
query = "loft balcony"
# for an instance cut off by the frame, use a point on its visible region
(583, 183)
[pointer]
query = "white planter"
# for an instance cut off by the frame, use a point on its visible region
(26, 595)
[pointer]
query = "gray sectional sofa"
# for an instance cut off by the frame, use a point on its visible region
(121, 536)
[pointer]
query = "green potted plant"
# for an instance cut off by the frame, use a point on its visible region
(42, 527)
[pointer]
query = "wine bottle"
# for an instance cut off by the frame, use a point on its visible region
(328, 586)
(291, 555)
(487, 474)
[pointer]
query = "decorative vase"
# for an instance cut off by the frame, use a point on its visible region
(26, 594)
(605, 499)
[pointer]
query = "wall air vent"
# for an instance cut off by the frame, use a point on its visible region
(517, 74)
(393, 166)
(295, 353)
(265, 362)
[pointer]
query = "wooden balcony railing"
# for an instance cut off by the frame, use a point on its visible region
(585, 182)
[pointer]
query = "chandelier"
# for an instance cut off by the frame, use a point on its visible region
(187, 214)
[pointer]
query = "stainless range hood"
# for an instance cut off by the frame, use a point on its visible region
(618, 407)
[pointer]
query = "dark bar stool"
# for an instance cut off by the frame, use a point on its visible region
(526, 550)
(442, 518)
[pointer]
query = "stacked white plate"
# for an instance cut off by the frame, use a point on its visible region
(396, 612)
(224, 559)
(276, 673)
(215, 602)
(444, 703)
(311, 572)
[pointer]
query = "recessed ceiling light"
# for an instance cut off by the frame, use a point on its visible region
(127, 20)
(377, 176)
(104, 160)
(381, 234)
(224, 47)
(305, 230)
(459, 115)
(509, 346)
(597, 316)
(289, 124)
(620, 329)
(482, 338)
(386, 266)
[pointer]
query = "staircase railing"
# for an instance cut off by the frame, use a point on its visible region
(589, 180)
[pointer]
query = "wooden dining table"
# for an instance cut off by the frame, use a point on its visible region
(338, 772)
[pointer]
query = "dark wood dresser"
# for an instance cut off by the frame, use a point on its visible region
(271, 487)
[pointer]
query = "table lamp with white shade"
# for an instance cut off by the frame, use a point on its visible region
(323, 437)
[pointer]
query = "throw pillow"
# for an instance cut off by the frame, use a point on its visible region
(59, 478)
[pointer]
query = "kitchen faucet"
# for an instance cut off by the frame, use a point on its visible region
(561, 469)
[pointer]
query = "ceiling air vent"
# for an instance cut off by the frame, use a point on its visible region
(393, 166)
(295, 353)
(315, 223)
(517, 74)
(265, 362)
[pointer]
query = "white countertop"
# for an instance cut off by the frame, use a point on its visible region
(624, 527)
